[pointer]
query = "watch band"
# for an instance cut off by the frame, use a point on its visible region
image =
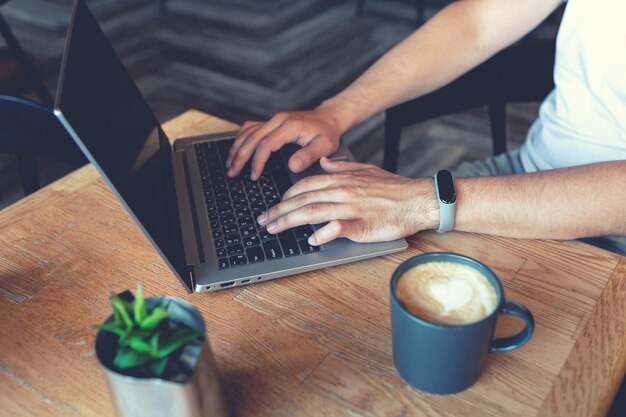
(446, 198)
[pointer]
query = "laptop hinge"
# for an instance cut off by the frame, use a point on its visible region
(192, 278)
(192, 244)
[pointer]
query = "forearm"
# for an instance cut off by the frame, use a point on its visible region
(566, 203)
(458, 38)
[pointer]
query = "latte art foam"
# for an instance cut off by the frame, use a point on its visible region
(446, 293)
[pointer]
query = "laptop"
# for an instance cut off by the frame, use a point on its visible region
(200, 221)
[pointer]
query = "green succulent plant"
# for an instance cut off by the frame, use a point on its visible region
(147, 340)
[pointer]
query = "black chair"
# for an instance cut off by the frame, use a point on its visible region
(521, 73)
(30, 130)
(418, 4)
(30, 77)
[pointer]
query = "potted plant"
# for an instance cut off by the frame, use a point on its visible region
(157, 359)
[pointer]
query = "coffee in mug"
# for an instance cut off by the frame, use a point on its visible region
(444, 308)
(446, 293)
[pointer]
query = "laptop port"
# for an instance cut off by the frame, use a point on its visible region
(227, 284)
(245, 281)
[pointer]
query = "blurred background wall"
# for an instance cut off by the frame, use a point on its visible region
(247, 59)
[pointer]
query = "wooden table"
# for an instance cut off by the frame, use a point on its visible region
(315, 344)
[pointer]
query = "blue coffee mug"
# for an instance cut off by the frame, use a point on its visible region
(444, 359)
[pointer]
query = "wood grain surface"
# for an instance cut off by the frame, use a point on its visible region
(316, 344)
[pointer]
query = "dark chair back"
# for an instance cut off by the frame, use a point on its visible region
(521, 73)
(30, 130)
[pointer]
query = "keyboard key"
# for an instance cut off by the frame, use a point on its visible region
(221, 252)
(251, 241)
(224, 205)
(269, 192)
(246, 221)
(217, 234)
(223, 263)
(272, 249)
(228, 218)
(258, 206)
(303, 232)
(265, 235)
(230, 228)
(232, 239)
(221, 196)
(306, 248)
(235, 249)
(224, 145)
(219, 243)
(252, 188)
(248, 231)
(255, 198)
(215, 224)
(238, 260)
(255, 254)
(225, 211)
(289, 243)
(280, 174)
(245, 211)
(240, 203)
(238, 194)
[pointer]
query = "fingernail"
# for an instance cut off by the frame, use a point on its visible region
(253, 174)
(271, 226)
(299, 163)
(229, 172)
(262, 218)
(229, 161)
(312, 241)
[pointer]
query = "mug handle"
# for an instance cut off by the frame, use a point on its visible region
(513, 308)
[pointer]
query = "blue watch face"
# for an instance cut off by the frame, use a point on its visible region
(445, 184)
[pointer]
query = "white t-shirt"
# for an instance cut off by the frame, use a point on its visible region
(583, 120)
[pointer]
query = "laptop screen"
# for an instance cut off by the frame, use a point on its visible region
(120, 135)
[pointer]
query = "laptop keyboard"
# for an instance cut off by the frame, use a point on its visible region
(233, 205)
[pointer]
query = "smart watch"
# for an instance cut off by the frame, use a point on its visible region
(446, 197)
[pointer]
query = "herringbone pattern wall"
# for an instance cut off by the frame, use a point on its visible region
(247, 59)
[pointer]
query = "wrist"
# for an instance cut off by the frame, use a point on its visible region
(341, 112)
(425, 206)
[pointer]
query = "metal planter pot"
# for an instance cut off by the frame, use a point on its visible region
(199, 396)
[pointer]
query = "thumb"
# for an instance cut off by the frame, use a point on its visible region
(331, 166)
(309, 154)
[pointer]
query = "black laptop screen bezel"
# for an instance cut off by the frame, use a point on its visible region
(168, 240)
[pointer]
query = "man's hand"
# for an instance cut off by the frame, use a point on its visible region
(317, 131)
(360, 201)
